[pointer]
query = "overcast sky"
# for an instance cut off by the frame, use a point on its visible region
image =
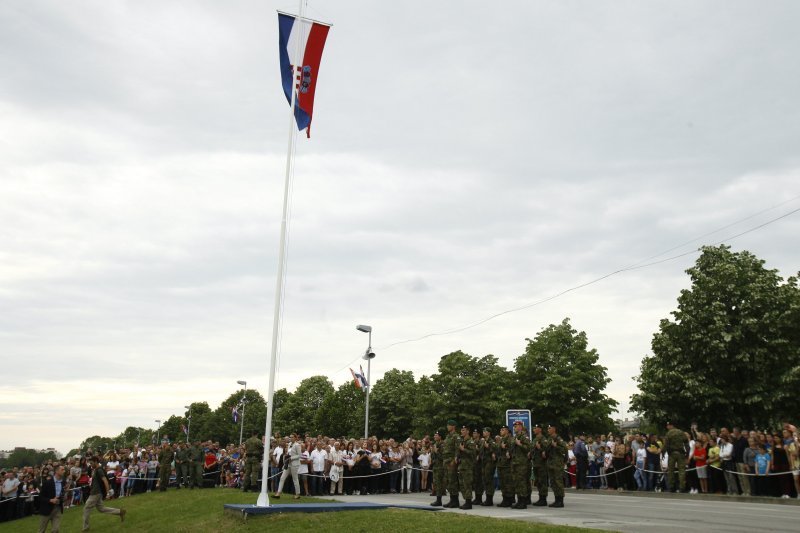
(466, 158)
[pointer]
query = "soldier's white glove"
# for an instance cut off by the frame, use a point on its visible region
(110, 493)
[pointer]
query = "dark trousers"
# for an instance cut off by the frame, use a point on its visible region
(315, 483)
(580, 478)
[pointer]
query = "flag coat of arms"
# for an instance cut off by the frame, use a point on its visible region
(235, 414)
(299, 71)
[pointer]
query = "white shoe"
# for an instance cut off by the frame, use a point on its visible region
(785, 496)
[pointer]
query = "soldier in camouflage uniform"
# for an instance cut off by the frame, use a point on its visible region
(477, 473)
(439, 473)
(254, 450)
(556, 459)
(182, 466)
(164, 466)
(196, 458)
(449, 451)
(539, 457)
(489, 453)
(520, 465)
(674, 445)
(466, 466)
(504, 467)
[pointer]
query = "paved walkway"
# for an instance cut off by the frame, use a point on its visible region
(637, 512)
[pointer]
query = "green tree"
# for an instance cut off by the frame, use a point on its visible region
(392, 402)
(26, 457)
(300, 411)
(342, 413)
(559, 379)
(732, 353)
(472, 390)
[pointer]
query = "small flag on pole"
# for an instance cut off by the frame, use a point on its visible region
(356, 379)
(184, 429)
(235, 414)
(364, 382)
(300, 48)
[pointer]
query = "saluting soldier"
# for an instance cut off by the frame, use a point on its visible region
(477, 472)
(489, 453)
(674, 444)
(504, 467)
(520, 465)
(449, 452)
(539, 457)
(556, 459)
(466, 466)
(165, 457)
(254, 450)
(437, 461)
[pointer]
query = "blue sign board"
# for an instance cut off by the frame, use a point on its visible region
(523, 415)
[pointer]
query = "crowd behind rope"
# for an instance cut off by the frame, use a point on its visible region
(735, 462)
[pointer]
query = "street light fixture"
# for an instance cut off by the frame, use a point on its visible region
(368, 356)
(158, 433)
(188, 429)
(244, 402)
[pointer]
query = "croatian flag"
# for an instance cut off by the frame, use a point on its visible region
(235, 414)
(356, 379)
(363, 376)
(184, 429)
(300, 72)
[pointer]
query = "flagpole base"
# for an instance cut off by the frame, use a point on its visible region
(263, 500)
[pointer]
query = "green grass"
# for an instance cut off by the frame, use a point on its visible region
(202, 510)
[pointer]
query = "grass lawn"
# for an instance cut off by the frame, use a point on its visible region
(201, 510)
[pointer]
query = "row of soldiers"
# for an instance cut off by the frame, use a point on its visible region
(189, 460)
(466, 463)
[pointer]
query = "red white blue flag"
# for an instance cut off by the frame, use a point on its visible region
(299, 71)
(235, 414)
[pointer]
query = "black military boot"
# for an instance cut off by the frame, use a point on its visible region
(520, 503)
(478, 499)
(541, 502)
(505, 503)
(438, 502)
(558, 503)
(487, 502)
(467, 504)
(453, 503)
(528, 501)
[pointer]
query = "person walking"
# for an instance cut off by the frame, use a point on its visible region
(51, 500)
(556, 453)
(99, 489)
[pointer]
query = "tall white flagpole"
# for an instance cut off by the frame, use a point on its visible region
(263, 497)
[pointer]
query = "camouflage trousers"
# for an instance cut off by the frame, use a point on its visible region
(465, 475)
(488, 478)
(540, 471)
(439, 479)
(506, 481)
(521, 473)
(556, 474)
(477, 479)
(252, 467)
(452, 479)
(676, 460)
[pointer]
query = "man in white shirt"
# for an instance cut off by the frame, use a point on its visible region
(275, 463)
(318, 458)
(9, 490)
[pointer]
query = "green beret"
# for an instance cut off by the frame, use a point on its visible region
(451, 422)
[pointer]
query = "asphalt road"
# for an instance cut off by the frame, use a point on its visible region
(636, 513)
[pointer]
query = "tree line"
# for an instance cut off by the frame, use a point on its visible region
(730, 355)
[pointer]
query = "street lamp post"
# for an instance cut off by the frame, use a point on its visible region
(369, 355)
(158, 433)
(189, 429)
(244, 403)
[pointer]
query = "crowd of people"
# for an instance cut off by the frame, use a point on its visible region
(734, 462)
